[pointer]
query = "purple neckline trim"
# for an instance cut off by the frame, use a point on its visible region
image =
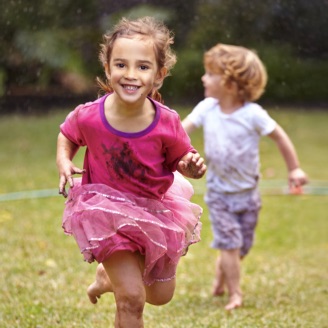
(128, 134)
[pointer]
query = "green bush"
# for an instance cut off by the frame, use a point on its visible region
(185, 83)
(292, 78)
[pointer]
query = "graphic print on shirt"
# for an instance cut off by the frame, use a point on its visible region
(123, 163)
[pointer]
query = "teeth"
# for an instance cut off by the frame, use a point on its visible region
(130, 87)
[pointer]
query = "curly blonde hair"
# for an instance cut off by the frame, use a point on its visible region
(240, 65)
(162, 39)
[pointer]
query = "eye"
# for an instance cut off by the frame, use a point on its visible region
(120, 65)
(144, 67)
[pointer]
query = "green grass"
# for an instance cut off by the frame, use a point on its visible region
(44, 278)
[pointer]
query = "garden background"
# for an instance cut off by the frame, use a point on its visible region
(49, 49)
(48, 65)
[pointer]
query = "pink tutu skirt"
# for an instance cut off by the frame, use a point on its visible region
(104, 220)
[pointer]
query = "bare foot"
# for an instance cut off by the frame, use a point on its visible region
(235, 301)
(100, 286)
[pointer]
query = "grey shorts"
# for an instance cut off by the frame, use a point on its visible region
(233, 218)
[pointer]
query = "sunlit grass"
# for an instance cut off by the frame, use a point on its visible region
(44, 278)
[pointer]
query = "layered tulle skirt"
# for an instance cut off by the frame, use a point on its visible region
(104, 220)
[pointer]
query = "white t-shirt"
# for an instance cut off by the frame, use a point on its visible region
(232, 144)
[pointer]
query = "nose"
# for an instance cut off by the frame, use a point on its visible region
(130, 73)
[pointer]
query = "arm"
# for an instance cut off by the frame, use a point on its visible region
(296, 176)
(188, 126)
(192, 166)
(66, 150)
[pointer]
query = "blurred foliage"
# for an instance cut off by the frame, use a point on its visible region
(293, 78)
(52, 46)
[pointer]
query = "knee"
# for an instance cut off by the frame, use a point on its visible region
(130, 303)
(160, 293)
(161, 299)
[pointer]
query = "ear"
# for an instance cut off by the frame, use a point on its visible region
(231, 86)
(161, 75)
(107, 71)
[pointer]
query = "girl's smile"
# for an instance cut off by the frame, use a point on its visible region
(132, 69)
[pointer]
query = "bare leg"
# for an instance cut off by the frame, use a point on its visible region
(124, 272)
(124, 277)
(100, 286)
(158, 293)
(218, 286)
(230, 263)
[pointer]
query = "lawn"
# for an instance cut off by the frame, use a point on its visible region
(44, 278)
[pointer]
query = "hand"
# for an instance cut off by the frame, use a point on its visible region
(66, 170)
(192, 166)
(297, 178)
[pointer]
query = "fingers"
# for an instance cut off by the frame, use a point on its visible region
(199, 165)
(68, 178)
(200, 162)
(193, 158)
(297, 178)
(202, 171)
(62, 183)
(196, 159)
(76, 170)
(192, 166)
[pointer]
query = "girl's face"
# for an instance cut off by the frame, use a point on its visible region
(133, 69)
(213, 86)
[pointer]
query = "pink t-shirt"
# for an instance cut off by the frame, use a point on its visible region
(140, 163)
